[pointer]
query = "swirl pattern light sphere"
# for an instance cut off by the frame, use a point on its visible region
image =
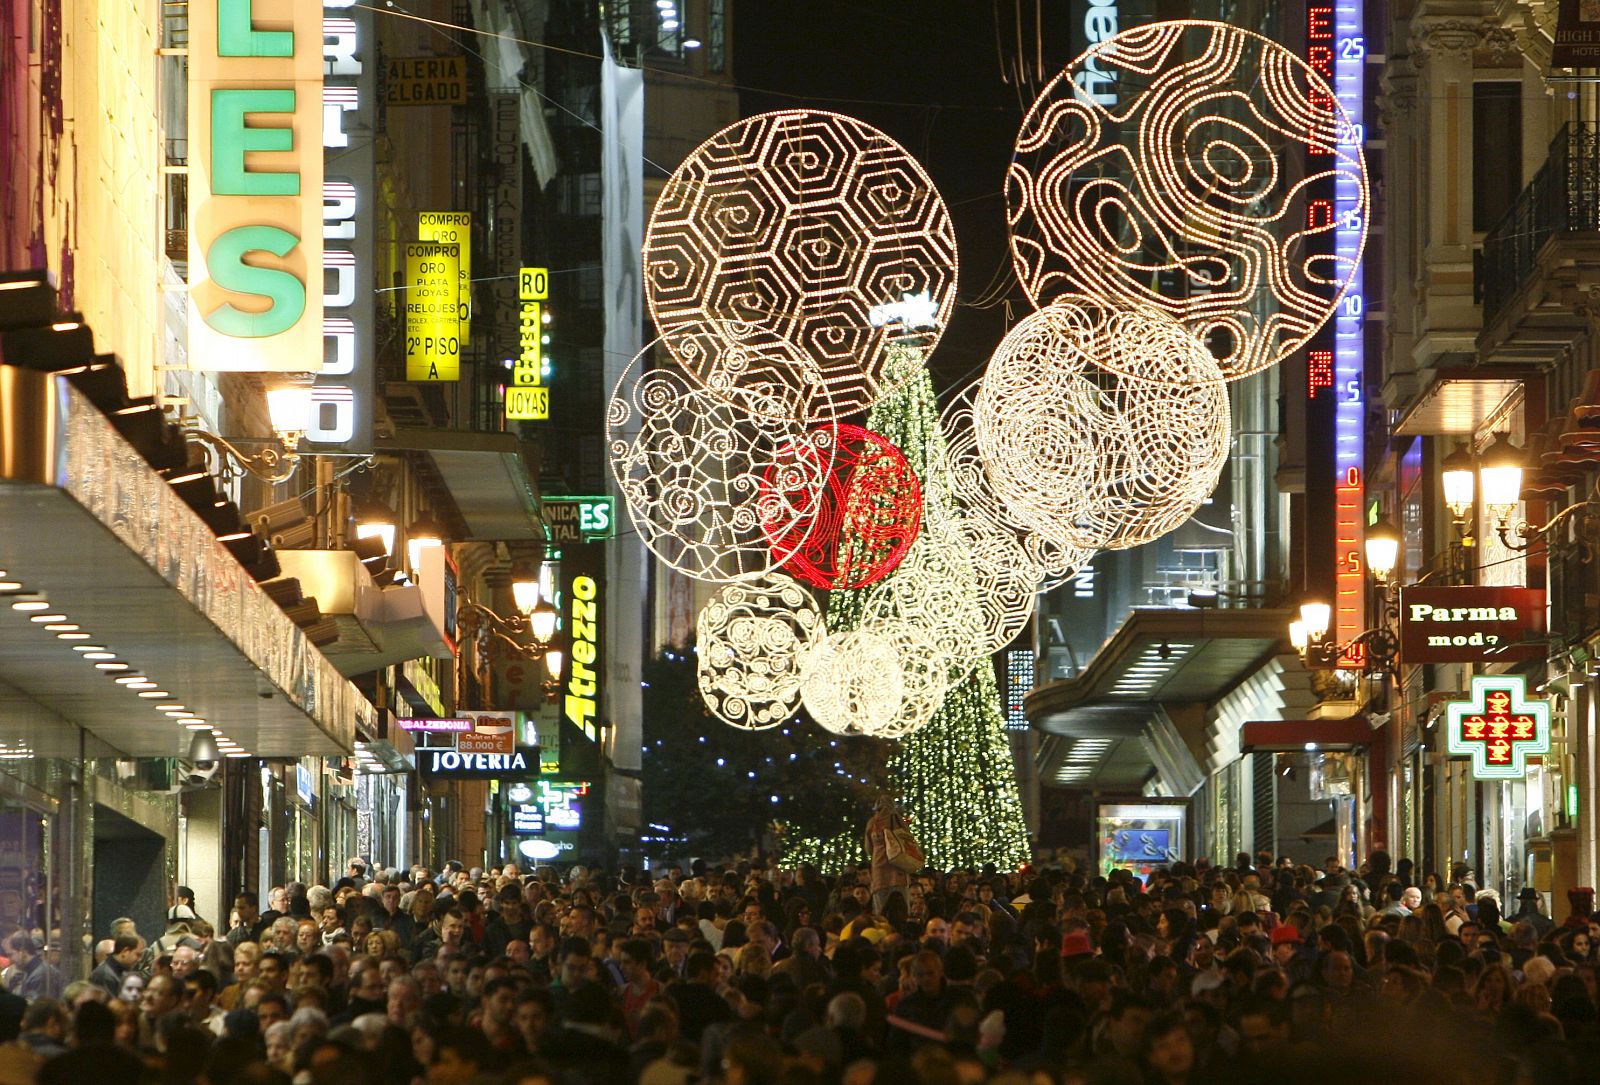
(1150, 171)
(853, 682)
(690, 466)
(797, 243)
(752, 639)
(1080, 445)
(868, 514)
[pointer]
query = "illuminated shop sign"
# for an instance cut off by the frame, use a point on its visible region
(581, 704)
(455, 765)
(1100, 23)
(1471, 624)
(454, 228)
(341, 394)
(255, 185)
(433, 332)
(450, 726)
(527, 398)
(573, 520)
(1336, 50)
(527, 820)
(1498, 727)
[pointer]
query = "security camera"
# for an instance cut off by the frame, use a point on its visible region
(195, 774)
(203, 750)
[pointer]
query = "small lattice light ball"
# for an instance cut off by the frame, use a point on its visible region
(868, 514)
(691, 467)
(853, 682)
(794, 239)
(932, 591)
(1152, 170)
(1079, 445)
(752, 639)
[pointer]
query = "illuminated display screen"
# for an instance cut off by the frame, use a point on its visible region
(1336, 48)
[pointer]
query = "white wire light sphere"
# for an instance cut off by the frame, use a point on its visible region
(1152, 170)
(752, 639)
(853, 682)
(799, 238)
(690, 466)
(1085, 449)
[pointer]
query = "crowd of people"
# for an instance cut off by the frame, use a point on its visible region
(751, 974)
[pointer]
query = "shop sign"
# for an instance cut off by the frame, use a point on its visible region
(1498, 727)
(527, 399)
(1577, 40)
(1471, 624)
(584, 604)
(451, 726)
(425, 81)
(454, 228)
(433, 331)
(527, 820)
(574, 520)
(493, 732)
(305, 783)
(341, 395)
(456, 765)
(255, 185)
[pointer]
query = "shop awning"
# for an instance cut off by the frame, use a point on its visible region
(1459, 401)
(1135, 715)
(1294, 736)
(90, 531)
(487, 475)
(378, 627)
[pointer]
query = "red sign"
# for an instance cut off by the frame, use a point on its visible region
(479, 742)
(1471, 624)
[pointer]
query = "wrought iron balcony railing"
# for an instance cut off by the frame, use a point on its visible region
(1562, 198)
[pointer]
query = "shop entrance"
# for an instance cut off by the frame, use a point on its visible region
(129, 874)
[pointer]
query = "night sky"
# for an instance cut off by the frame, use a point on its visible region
(928, 74)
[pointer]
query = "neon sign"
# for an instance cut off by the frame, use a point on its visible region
(1336, 49)
(582, 682)
(1498, 727)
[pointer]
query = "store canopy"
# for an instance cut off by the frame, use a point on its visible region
(487, 476)
(1134, 717)
(90, 531)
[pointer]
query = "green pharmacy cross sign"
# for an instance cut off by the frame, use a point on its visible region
(1498, 728)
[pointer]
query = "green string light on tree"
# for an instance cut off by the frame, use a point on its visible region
(954, 779)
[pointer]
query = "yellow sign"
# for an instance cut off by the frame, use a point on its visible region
(527, 404)
(425, 81)
(453, 228)
(526, 400)
(433, 343)
(255, 185)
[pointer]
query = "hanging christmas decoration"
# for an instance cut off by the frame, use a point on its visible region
(1149, 171)
(866, 517)
(752, 639)
(794, 239)
(853, 679)
(691, 465)
(1079, 445)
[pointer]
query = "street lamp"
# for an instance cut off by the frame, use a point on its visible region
(423, 534)
(289, 410)
(1459, 480)
(1315, 617)
(1297, 636)
(1383, 550)
(375, 520)
(1500, 472)
(525, 587)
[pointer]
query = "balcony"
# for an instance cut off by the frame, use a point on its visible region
(1542, 259)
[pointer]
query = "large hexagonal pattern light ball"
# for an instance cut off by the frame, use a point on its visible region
(801, 230)
(1152, 170)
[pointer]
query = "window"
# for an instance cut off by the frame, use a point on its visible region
(1496, 150)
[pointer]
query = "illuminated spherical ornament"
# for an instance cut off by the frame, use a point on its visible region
(853, 682)
(799, 238)
(924, 679)
(1079, 445)
(866, 517)
(751, 640)
(690, 466)
(1152, 170)
(932, 591)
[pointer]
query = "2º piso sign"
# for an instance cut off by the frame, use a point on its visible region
(1471, 624)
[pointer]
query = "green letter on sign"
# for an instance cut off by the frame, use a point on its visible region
(225, 261)
(236, 37)
(230, 139)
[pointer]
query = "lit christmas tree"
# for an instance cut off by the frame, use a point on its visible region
(954, 778)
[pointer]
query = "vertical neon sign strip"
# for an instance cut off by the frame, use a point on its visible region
(1349, 84)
